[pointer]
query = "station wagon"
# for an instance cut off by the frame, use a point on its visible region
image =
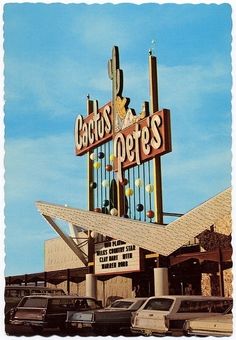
(40, 311)
(167, 314)
(13, 294)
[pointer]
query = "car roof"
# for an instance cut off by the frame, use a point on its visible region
(59, 296)
(187, 297)
(31, 287)
(132, 299)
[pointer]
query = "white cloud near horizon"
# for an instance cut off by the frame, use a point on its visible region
(53, 88)
(46, 169)
(43, 168)
(185, 85)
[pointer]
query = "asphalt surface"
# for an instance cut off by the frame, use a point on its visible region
(27, 331)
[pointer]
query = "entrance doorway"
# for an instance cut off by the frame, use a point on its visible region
(185, 278)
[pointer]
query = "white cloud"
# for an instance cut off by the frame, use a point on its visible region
(194, 177)
(196, 167)
(57, 89)
(44, 168)
(53, 89)
(186, 86)
(98, 32)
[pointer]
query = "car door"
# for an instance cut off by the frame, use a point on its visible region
(57, 309)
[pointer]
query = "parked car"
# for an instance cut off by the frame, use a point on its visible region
(104, 321)
(166, 315)
(13, 295)
(112, 299)
(41, 311)
(217, 325)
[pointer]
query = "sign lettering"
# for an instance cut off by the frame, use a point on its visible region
(137, 137)
(142, 141)
(95, 129)
(116, 255)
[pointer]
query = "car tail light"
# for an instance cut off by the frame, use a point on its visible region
(44, 314)
(186, 326)
(12, 312)
(133, 314)
(167, 322)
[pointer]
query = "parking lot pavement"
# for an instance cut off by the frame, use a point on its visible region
(27, 331)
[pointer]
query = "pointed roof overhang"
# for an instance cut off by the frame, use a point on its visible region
(153, 237)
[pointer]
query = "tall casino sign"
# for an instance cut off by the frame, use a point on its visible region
(133, 139)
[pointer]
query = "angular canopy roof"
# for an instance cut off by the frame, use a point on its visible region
(153, 237)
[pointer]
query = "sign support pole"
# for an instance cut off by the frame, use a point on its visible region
(160, 274)
(157, 160)
(116, 75)
(90, 195)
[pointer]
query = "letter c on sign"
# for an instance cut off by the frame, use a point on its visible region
(78, 128)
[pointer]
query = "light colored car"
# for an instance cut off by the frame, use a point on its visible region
(219, 325)
(113, 318)
(164, 315)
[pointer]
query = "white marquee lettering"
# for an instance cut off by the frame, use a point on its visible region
(130, 147)
(119, 152)
(106, 113)
(85, 135)
(137, 134)
(134, 144)
(145, 140)
(156, 139)
(96, 118)
(90, 133)
(78, 127)
(92, 129)
(101, 129)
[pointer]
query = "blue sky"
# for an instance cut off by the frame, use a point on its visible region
(55, 54)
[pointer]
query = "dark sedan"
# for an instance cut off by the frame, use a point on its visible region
(116, 317)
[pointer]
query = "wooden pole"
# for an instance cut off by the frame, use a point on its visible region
(90, 165)
(221, 274)
(154, 106)
(68, 280)
(45, 279)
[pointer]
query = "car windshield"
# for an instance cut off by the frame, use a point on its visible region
(121, 304)
(162, 304)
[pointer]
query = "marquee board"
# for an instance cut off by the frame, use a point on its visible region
(116, 256)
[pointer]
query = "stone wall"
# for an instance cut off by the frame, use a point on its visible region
(220, 237)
